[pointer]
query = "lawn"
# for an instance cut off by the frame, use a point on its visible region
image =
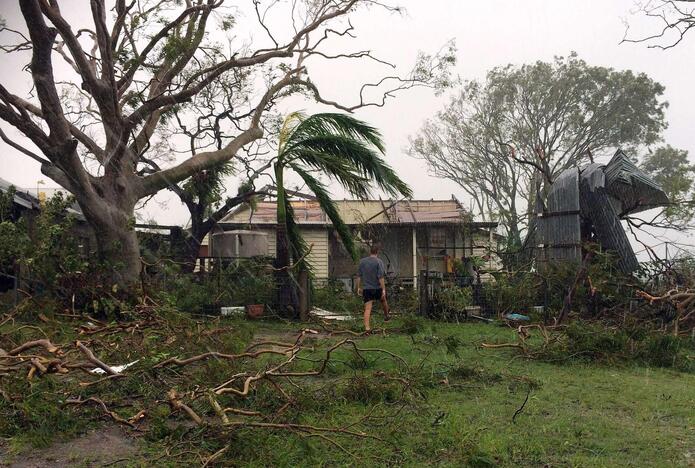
(451, 403)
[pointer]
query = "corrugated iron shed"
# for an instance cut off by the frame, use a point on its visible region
(559, 225)
(598, 196)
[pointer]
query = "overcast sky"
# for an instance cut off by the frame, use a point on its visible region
(488, 33)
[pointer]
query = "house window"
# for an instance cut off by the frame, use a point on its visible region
(438, 238)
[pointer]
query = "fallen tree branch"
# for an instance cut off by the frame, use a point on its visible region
(177, 404)
(107, 411)
(94, 360)
(46, 344)
(521, 408)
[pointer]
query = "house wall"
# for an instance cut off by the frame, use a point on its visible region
(396, 252)
(318, 257)
(435, 243)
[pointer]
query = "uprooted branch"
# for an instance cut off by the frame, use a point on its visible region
(46, 344)
(288, 349)
(523, 333)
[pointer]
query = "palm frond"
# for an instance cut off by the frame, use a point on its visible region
(329, 207)
(337, 169)
(289, 127)
(340, 125)
(364, 159)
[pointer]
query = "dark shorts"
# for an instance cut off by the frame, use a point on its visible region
(371, 295)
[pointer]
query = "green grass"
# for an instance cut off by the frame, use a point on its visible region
(576, 415)
(456, 409)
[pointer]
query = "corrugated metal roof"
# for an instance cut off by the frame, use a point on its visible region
(602, 195)
(21, 197)
(559, 226)
(635, 189)
(359, 212)
(26, 199)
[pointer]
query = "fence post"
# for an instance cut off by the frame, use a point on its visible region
(303, 280)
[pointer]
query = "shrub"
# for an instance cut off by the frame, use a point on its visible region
(453, 300)
(588, 341)
(411, 324)
(235, 284)
(48, 251)
(517, 292)
(370, 390)
(334, 297)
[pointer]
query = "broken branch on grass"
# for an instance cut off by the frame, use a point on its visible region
(94, 360)
(107, 411)
(521, 408)
(177, 404)
(46, 344)
(291, 349)
(218, 355)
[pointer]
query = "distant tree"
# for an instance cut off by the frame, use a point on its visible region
(671, 169)
(506, 139)
(675, 19)
(340, 148)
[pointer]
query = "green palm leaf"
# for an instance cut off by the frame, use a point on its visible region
(337, 125)
(362, 158)
(342, 148)
(329, 207)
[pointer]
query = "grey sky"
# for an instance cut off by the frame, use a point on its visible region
(488, 33)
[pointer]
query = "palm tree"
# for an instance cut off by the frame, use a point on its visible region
(347, 151)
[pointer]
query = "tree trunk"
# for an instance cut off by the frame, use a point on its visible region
(118, 249)
(199, 229)
(287, 300)
(111, 216)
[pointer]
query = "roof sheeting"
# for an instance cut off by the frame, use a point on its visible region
(597, 206)
(354, 212)
(600, 195)
(635, 189)
(559, 225)
(24, 198)
(21, 197)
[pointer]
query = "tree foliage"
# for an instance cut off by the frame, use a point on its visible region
(671, 169)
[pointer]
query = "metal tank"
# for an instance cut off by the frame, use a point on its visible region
(239, 244)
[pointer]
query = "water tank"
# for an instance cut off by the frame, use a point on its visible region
(239, 244)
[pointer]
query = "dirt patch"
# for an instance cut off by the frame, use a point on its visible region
(103, 446)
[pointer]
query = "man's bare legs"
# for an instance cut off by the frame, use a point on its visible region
(367, 315)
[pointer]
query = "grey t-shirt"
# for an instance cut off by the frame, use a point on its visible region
(370, 270)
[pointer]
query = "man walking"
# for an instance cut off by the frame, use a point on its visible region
(371, 286)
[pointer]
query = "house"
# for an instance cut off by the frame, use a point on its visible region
(415, 235)
(26, 205)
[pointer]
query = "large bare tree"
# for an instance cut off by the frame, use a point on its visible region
(134, 68)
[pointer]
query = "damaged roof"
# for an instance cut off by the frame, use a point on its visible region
(356, 212)
(21, 197)
(24, 198)
(635, 189)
